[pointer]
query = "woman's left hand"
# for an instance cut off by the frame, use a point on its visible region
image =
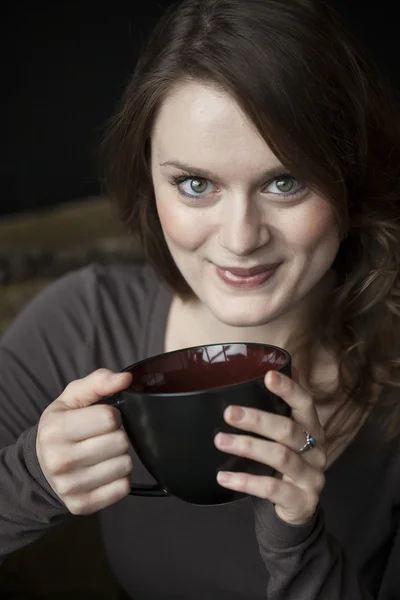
(296, 494)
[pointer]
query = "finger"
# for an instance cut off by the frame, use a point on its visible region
(96, 450)
(268, 488)
(268, 425)
(101, 448)
(90, 478)
(84, 392)
(292, 505)
(279, 457)
(106, 495)
(85, 423)
(300, 401)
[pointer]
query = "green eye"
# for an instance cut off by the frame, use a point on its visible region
(285, 184)
(198, 185)
(193, 187)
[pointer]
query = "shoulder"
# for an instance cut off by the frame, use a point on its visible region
(73, 301)
(88, 318)
(139, 279)
(119, 291)
(78, 289)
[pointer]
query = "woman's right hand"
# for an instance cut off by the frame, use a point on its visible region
(82, 450)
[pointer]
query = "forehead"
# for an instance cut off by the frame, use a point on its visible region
(197, 120)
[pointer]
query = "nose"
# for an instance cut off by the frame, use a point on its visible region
(243, 230)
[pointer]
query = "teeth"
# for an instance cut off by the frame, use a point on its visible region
(234, 277)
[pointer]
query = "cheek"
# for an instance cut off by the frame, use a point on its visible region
(314, 225)
(184, 227)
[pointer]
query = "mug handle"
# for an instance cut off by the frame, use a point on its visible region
(137, 489)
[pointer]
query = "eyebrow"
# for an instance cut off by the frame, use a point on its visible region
(268, 174)
(179, 165)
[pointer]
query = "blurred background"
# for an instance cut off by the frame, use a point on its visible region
(64, 66)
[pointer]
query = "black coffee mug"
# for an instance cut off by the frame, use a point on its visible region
(174, 408)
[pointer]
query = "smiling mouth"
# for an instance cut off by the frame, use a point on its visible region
(249, 272)
(247, 278)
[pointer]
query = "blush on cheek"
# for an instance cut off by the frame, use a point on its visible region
(314, 225)
(182, 226)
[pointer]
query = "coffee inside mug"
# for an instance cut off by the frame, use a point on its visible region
(200, 368)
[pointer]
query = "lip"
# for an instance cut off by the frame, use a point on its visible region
(247, 278)
(249, 272)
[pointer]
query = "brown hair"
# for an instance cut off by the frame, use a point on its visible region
(320, 104)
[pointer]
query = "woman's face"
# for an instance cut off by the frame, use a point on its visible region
(249, 239)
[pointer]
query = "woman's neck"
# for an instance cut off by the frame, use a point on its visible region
(192, 322)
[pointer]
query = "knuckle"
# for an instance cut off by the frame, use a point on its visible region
(288, 430)
(122, 441)
(271, 486)
(64, 486)
(77, 505)
(118, 490)
(50, 428)
(254, 417)
(46, 433)
(129, 463)
(124, 487)
(308, 403)
(110, 417)
(320, 482)
(243, 481)
(72, 387)
(245, 443)
(283, 455)
(126, 465)
(56, 463)
(101, 375)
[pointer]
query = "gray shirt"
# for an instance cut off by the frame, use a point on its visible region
(162, 547)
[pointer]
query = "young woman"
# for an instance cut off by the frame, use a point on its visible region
(257, 154)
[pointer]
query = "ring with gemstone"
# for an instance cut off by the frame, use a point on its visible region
(311, 442)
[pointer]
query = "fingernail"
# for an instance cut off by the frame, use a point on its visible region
(276, 378)
(224, 476)
(225, 439)
(235, 413)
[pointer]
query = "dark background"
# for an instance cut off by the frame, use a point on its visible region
(64, 67)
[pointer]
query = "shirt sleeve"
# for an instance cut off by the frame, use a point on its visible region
(306, 562)
(43, 350)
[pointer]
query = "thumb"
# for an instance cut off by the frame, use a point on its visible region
(88, 390)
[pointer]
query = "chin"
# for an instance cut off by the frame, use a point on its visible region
(244, 318)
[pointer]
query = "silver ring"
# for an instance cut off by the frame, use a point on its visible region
(310, 442)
